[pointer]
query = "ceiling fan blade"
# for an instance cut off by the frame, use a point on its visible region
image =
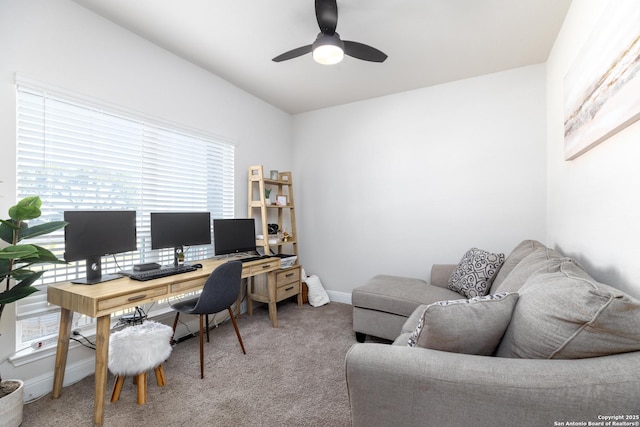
(363, 51)
(294, 53)
(327, 15)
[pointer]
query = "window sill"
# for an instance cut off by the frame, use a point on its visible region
(29, 355)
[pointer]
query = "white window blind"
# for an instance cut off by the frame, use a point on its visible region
(76, 155)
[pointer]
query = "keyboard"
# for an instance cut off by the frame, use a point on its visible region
(160, 272)
(254, 258)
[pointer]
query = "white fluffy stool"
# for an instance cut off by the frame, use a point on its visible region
(134, 351)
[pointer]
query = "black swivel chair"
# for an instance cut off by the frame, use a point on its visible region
(220, 291)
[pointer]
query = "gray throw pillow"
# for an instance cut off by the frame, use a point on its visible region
(473, 326)
(563, 313)
(475, 272)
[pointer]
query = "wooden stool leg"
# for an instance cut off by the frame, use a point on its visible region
(145, 387)
(235, 325)
(117, 388)
(160, 375)
(142, 388)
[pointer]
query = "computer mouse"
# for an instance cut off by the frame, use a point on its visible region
(197, 265)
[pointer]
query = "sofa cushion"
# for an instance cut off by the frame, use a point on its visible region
(563, 313)
(475, 272)
(412, 322)
(538, 258)
(398, 295)
(523, 249)
(473, 326)
(402, 339)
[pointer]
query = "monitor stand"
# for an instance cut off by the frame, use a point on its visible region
(94, 273)
(179, 250)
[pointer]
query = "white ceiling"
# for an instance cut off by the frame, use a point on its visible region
(428, 42)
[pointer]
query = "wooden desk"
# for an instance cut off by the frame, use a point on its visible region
(103, 299)
(281, 284)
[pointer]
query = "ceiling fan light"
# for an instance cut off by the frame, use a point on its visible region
(328, 54)
(328, 49)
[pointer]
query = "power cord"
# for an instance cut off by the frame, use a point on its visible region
(189, 335)
(90, 344)
(116, 261)
(136, 318)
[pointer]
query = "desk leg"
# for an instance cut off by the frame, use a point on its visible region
(249, 294)
(273, 311)
(238, 307)
(102, 355)
(64, 333)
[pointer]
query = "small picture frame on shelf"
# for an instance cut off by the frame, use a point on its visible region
(281, 201)
(274, 175)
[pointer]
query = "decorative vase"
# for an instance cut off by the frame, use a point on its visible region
(11, 406)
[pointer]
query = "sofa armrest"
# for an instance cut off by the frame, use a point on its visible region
(440, 274)
(403, 386)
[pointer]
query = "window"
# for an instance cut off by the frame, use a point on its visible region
(76, 154)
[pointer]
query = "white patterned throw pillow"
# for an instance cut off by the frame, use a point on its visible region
(475, 272)
(317, 295)
(472, 326)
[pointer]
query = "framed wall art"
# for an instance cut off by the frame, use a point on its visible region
(602, 87)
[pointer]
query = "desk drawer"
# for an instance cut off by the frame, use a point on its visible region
(188, 286)
(287, 276)
(264, 267)
(145, 295)
(287, 291)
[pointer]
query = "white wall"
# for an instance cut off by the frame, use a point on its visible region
(394, 184)
(593, 204)
(389, 185)
(60, 43)
(64, 45)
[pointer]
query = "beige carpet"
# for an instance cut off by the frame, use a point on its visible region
(292, 375)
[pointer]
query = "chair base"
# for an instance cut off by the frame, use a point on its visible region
(140, 380)
(204, 329)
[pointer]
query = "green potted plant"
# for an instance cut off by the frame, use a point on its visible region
(180, 256)
(16, 281)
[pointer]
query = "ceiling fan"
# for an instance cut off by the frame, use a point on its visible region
(329, 48)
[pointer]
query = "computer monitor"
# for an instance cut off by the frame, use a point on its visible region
(234, 235)
(178, 229)
(93, 234)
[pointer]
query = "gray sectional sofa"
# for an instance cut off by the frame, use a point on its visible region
(547, 346)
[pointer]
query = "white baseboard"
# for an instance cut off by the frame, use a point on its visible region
(337, 296)
(37, 387)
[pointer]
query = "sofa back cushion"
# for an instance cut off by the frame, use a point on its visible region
(538, 258)
(563, 313)
(473, 326)
(519, 252)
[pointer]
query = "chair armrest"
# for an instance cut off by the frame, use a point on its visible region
(440, 274)
(396, 385)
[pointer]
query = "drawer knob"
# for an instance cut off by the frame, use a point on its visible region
(289, 275)
(137, 297)
(266, 266)
(289, 288)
